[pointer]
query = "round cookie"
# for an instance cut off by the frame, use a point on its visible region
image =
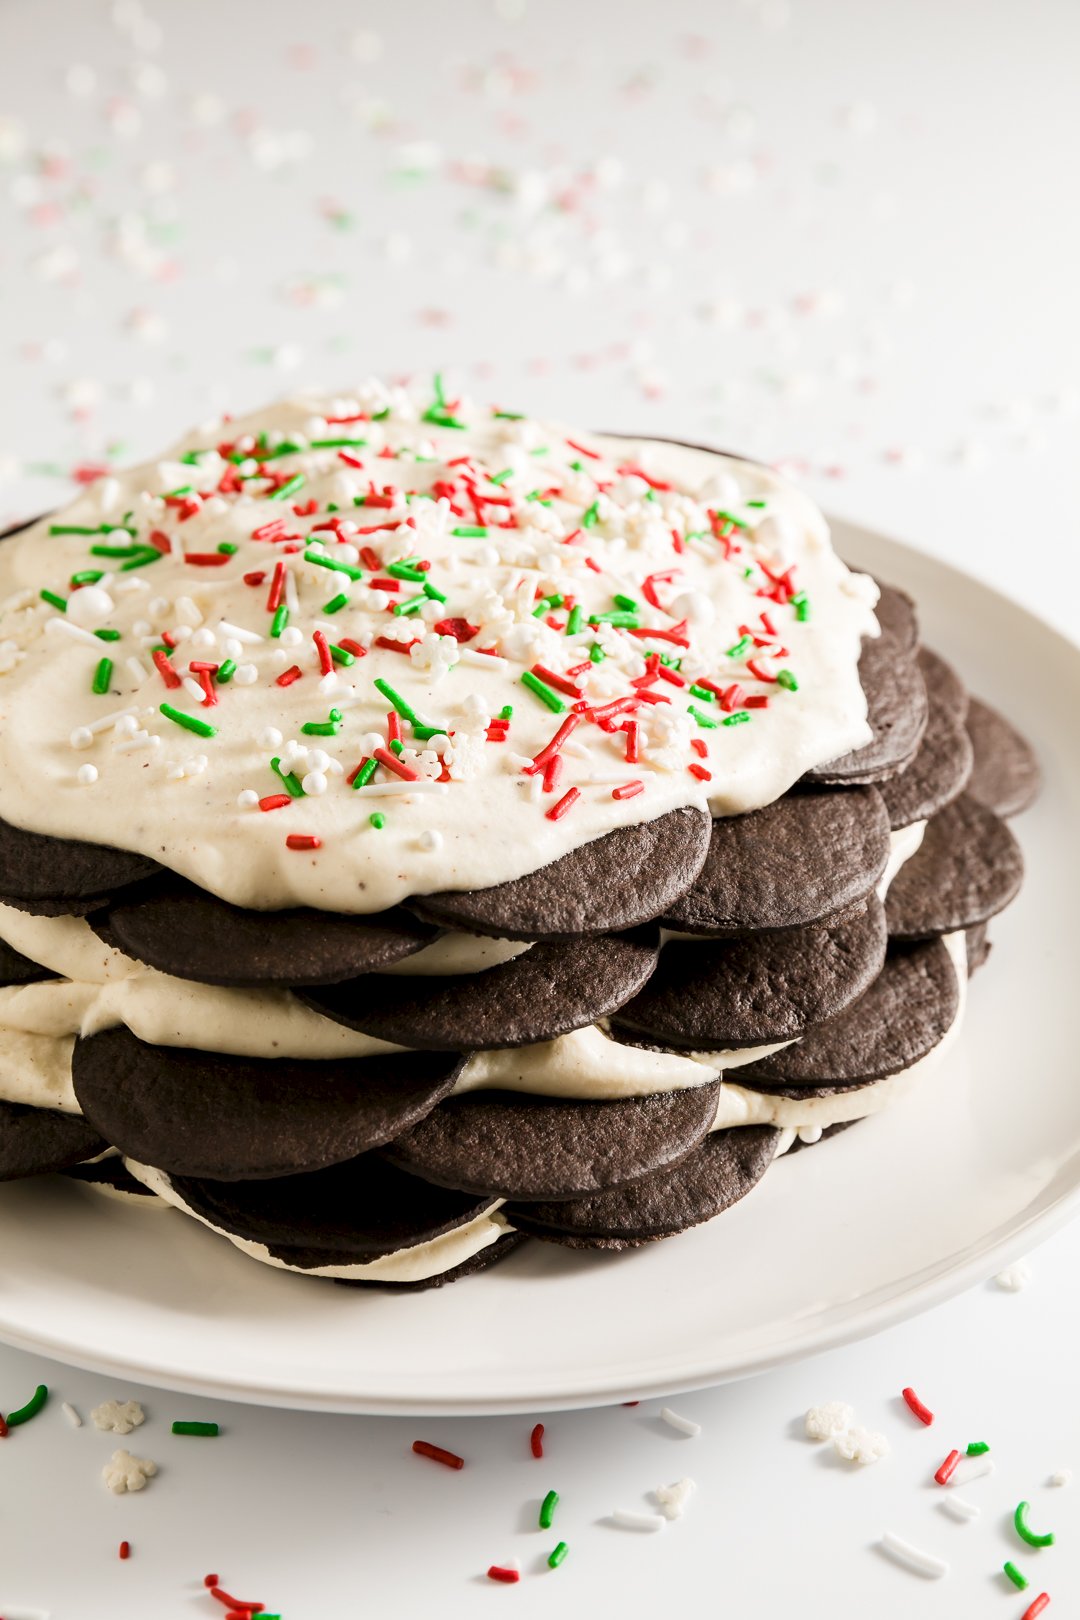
(184, 931)
(35, 867)
(939, 771)
(112, 1178)
(943, 683)
(898, 1020)
(837, 843)
(35, 1141)
(15, 968)
(896, 711)
(512, 1145)
(551, 989)
(759, 988)
(347, 1214)
(482, 1261)
(619, 881)
(896, 614)
(234, 1119)
(711, 1178)
(1006, 777)
(978, 946)
(967, 868)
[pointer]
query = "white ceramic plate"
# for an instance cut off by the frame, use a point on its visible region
(835, 1244)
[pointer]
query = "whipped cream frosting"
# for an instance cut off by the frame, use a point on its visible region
(260, 579)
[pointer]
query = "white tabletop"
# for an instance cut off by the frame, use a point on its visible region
(839, 236)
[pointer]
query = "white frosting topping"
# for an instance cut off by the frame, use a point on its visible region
(514, 521)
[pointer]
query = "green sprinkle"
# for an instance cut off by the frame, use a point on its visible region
(181, 489)
(78, 528)
(500, 478)
(506, 712)
(1026, 1534)
(543, 692)
(977, 1448)
(205, 1429)
(591, 516)
(1018, 1580)
(365, 773)
(403, 707)
(786, 679)
(547, 1509)
(279, 621)
(333, 564)
(621, 620)
(323, 728)
(102, 677)
(801, 604)
(627, 603)
(226, 671)
(144, 555)
(87, 576)
(342, 655)
(597, 653)
(227, 549)
(290, 487)
(116, 551)
(378, 820)
(413, 604)
(107, 635)
(33, 1406)
(545, 605)
(573, 623)
(757, 503)
(508, 416)
(397, 746)
(190, 458)
(470, 531)
(736, 719)
(53, 600)
(439, 416)
(190, 722)
(541, 450)
(739, 647)
(289, 781)
(729, 517)
(336, 603)
(703, 719)
(338, 444)
(439, 390)
(401, 570)
(557, 1556)
(700, 692)
(425, 733)
(432, 594)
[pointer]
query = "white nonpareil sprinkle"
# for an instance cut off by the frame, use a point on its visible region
(860, 1445)
(920, 1563)
(822, 1422)
(1062, 1477)
(430, 840)
(957, 1507)
(247, 799)
(246, 674)
(118, 1417)
(72, 1416)
(674, 1421)
(123, 1472)
(1014, 1277)
(637, 1521)
(673, 1498)
(86, 775)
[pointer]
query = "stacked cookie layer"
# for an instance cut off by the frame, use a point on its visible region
(705, 887)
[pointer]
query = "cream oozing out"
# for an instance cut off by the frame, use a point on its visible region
(448, 552)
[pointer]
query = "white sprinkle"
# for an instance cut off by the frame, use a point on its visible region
(188, 612)
(86, 775)
(430, 839)
(470, 655)
(314, 783)
(248, 637)
(247, 799)
(118, 1417)
(673, 1498)
(193, 689)
(969, 1469)
(107, 720)
(72, 1416)
(90, 606)
(329, 683)
(136, 739)
(291, 636)
(64, 627)
(958, 1508)
(1014, 1277)
(1062, 1477)
(684, 1425)
(81, 737)
(863, 1446)
(637, 1521)
(384, 790)
(921, 1563)
(137, 669)
(246, 675)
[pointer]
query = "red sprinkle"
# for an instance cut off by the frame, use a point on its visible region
(593, 455)
(165, 669)
(3, 1427)
(948, 1468)
(353, 646)
(677, 635)
(700, 747)
(631, 729)
(303, 841)
(208, 559)
(559, 682)
(552, 747)
(393, 727)
(125, 1549)
(759, 701)
(536, 1441)
(391, 645)
(370, 558)
(552, 772)
(293, 673)
(277, 588)
(498, 1572)
(923, 1413)
(700, 772)
(1033, 1609)
(758, 671)
(460, 629)
(392, 763)
(449, 1459)
(255, 578)
(236, 1604)
(629, 790)
(566, 803)
(212, 1580)
(275, 801)
(355, 772)
(326, 663)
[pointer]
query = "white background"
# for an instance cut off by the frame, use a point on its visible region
(842, 236)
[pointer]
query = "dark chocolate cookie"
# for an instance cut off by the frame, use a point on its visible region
(34, 1141)
(939, 771)
(551, 989)
(183, 930)
(1006, 777)
(943, 683)
(508, 1144)
(806, 857)
(898, 1020)
(897, 616)
(233, 1118)
(897, 712)
(761, 988)
(481, 1261)
(626, 878)
(719, 1172)
(967, 868)
(34, 867)
(18, 969)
